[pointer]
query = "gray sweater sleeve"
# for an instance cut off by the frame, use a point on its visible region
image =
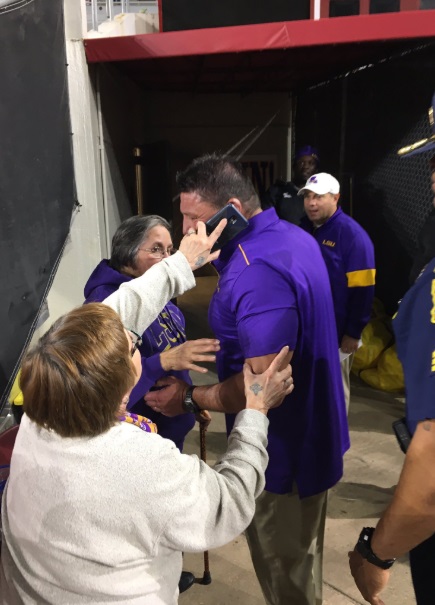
(139, 301)
(213, 506)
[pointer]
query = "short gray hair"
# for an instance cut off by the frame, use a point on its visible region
(129, 237)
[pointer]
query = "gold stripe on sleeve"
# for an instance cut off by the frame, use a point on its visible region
(364, 277)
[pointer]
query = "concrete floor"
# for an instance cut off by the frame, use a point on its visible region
(372, 467)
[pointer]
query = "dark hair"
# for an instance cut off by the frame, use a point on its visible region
(129, 237)
(74, 379)
(217, 178)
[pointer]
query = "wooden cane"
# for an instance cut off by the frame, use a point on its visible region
(206, 578)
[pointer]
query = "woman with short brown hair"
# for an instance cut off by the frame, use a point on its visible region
(99, 511)
(72, 359)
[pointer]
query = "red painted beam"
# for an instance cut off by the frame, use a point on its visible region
(409, 5)
(262, 37)
(160, 15)
(364, 7)
(324, 9)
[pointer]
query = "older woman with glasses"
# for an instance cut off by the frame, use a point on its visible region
(139, 243)
(97, 510)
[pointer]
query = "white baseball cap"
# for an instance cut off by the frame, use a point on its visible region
(321, 183)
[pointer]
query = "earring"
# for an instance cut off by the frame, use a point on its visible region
(125, 400)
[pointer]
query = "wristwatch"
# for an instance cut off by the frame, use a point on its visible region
(364, 548)
(188, 404)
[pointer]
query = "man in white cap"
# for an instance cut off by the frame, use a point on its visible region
(349, 256)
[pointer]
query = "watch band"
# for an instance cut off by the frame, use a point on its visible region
(189, 405)
(364, 548)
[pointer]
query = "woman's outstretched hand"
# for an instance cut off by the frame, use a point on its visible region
(188, 354)
(267, 390)
(196, 245)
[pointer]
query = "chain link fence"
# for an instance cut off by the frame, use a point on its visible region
(407, 186)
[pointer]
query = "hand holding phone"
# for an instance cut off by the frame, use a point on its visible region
(236, 223)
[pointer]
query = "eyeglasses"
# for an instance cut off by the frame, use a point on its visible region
(159, 252)
(136, 341)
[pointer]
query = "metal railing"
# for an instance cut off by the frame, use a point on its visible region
(99, 11)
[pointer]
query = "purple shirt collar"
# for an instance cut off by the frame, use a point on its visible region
(256, 224)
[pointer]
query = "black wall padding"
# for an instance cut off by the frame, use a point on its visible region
(36, 168)
(343, 8)
(196, 14)
(384, 6)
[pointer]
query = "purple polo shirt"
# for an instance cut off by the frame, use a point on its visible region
(350, 260)
(274, 290)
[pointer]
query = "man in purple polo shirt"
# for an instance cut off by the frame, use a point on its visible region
(350, 260)
(273, 291)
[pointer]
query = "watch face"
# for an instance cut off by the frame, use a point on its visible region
(188, 404)
(364, 548)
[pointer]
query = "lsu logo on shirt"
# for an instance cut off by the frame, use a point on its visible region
(328, 242)
(432, 370)
(171, 331)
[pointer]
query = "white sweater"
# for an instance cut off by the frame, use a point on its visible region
(105, 520)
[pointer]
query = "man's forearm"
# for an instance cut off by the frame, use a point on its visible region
(227, 396)
(410, 518)
(399, 531)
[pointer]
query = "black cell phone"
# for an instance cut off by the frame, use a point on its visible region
(236, 223)
(402, 433)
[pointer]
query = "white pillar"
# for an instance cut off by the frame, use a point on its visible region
(87, 240)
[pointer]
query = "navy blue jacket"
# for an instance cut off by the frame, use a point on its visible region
(414, 328)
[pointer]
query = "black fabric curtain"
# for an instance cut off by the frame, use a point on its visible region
(36, 168)
(196, 14)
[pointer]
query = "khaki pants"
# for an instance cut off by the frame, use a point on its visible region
(346, 365)
(286, 543)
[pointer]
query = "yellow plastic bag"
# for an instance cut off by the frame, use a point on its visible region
(376, 337)
(388, 375)
(16, 394)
